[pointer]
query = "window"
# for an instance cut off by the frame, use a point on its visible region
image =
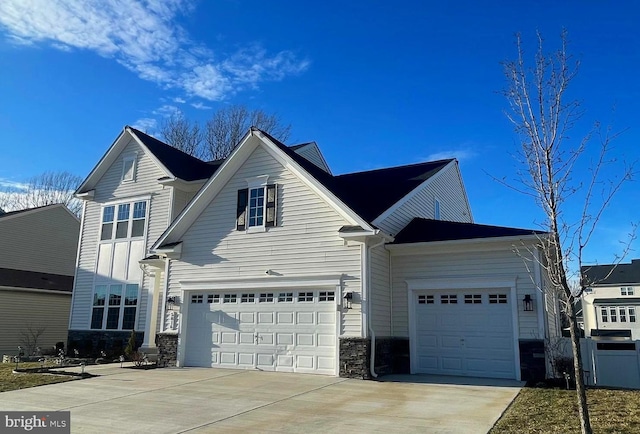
(121, 307)
(127, 224)
(623, 314)
(449, 299)
(213, 298)
(604, 314)
(197, 298)
(436, 210)
(266, 298)
(473, 298)
(256, 206)
(327, 296)
(613, 314)
(285, 297)
(425, 299)
(610, 314)
(247, 298)
(632, 314)
(305, 296)
(628, 290)
(497, 298)
(230, 298)
(129, 168)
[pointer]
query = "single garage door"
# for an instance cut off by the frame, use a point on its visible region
(289, 331)
(464, 332)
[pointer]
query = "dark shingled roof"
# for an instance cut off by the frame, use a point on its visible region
(180, 164)
(621, 274)
(20, 211)
(33, 280)
(369, 193)
(421, 230)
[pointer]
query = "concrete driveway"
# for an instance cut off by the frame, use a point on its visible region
(220, 400)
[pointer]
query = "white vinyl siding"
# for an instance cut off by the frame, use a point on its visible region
(110, 188)
(462, 264)
(447, 187)
(305, 242)
(20, 310)
(180, 200)
(380, 292)
(311, 152)
(43, 241)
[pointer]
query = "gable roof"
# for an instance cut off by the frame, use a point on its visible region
(33, 280)
(387, 185)
(180, 164)
(11, 214)
(421, 230)
(621, 274)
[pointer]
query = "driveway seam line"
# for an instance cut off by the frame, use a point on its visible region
(147, 391)
(260, 407)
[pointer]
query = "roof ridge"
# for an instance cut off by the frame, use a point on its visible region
(18, 211)
(137, 131)
(443, 161)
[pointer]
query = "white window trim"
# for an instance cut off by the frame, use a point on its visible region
(255, 183)
(133, 158)
(131, 203)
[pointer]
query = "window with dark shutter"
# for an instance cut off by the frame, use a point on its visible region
(270, 212)
(241, 214)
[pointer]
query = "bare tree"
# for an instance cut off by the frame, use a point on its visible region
(182, 134)
(47, 188)
(228, 125)
(542, 116)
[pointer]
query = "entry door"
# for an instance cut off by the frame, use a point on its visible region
(464, 332)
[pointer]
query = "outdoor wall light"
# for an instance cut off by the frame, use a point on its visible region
(171, 301)
(348, 300)
(527, 303)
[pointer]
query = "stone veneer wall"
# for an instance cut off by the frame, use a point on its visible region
(354, 356)
(167, 344)
(90, 343)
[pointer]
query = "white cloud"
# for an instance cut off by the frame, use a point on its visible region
(7, 184)
(166, 110)
(459, 154)
(200, 106)
(179, 100)
(142, 36)
(146, 125)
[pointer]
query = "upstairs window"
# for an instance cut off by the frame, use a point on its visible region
(129, 168)
(626, 290)
(256, 205)
(128, 224)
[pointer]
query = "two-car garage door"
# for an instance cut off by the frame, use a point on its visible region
(464, 332)
(288, 330)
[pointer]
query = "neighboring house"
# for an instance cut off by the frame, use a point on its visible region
(611, 303)
(37, 262)
(268, 261)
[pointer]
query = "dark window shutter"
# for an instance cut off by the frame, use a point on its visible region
(241, 213)
(270, 201)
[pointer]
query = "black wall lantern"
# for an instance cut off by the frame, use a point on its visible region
(348, 299)
(527, 303)
(171, 301)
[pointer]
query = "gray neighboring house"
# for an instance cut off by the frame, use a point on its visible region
(38, 248)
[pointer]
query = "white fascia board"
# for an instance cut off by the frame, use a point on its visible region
(181, 184)
(208, 192)
(261, 282)
(87, 195)
(476, 244)
(322, 191)
(411, 194)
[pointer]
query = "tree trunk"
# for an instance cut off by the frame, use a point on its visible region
(581, 391)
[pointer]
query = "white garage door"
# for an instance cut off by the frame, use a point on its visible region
(289, 331)
(464, 332)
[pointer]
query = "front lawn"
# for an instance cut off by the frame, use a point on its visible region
(11, 381)
(538, 410)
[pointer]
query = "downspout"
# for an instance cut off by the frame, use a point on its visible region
(372, 360)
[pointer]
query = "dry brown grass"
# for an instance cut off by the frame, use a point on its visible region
(537, 410)
(11, 381)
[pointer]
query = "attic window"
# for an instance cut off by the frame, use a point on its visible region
(129, 168)
(436, 210)
(256, 205)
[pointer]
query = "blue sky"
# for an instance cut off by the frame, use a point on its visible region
(374, 83)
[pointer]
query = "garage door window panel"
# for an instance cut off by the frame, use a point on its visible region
(448, 299)
(305, 297)
(266, 297)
